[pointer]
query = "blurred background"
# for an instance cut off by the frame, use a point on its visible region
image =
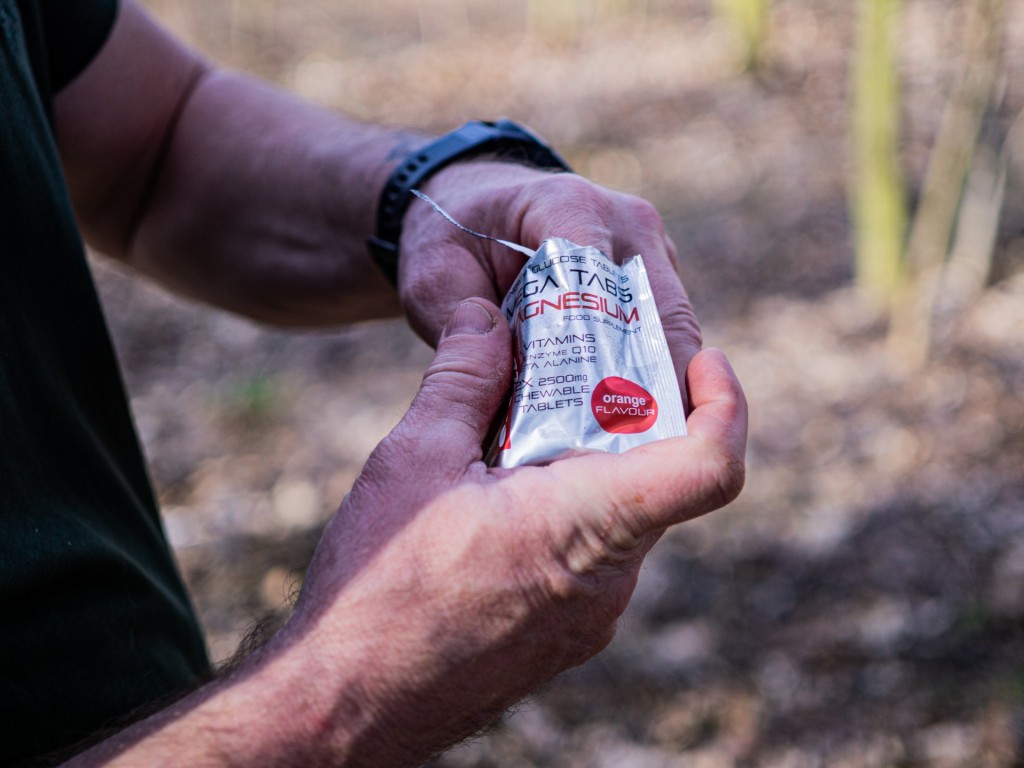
(845, 181)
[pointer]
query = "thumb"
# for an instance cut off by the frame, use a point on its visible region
(462, 389)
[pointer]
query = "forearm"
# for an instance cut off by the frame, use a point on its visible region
(223, 187)
(373, 677)
(263, 204)
(255, 716)
(298, 702)
(441, 591)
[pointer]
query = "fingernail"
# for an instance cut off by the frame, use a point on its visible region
(470, 319)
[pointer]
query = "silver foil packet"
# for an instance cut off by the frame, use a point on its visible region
(592, 368)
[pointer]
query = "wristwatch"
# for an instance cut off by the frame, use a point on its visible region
(504, 140)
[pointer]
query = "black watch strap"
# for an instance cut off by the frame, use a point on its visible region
(505, 139)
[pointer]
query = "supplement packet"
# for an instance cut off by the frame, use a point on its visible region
(591, 365)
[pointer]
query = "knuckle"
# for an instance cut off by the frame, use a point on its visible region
(644, 214)
(386, 464)
(460, 383)
(728, 481)
(461, 388)
(594, 560)
(569, 186)
(425, 300)
(577, 206)
(680, 319)
(420, 287)
(672, 252)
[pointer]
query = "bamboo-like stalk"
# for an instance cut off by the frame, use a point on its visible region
(949, 163)
(970, 259)
(878, 196)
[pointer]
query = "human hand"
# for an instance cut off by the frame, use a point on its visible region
(440, 265)
(444, 591)
(456, 589)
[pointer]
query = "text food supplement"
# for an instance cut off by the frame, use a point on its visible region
(591, 365)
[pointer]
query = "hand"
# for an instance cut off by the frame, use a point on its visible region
(443, 591)
(441, 265)
(468, 587)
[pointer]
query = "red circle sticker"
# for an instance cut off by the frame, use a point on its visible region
(623, 407)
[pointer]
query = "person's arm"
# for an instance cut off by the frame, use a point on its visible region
(239, 194)
(443, 591)
(221, 186)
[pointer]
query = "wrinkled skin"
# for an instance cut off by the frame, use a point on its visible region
(441, 265)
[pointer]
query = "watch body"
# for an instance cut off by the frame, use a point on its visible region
(505, 139)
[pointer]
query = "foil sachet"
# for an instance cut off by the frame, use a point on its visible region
(591, 369)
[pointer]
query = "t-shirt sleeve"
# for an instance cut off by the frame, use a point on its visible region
(75, 30)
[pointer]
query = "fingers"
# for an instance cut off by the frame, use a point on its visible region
(719, 417)
(647, 237)
(630, 496)
(621, 226)
(443, 432)
(436, 281)
(441, 265)
(706, 470)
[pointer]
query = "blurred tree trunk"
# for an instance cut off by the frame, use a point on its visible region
(970, 263)
(878, 198)
(946, 189)
(749, 21)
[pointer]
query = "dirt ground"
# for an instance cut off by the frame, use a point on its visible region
(862, 603)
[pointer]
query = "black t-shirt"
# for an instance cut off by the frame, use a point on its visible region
(94, 620)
